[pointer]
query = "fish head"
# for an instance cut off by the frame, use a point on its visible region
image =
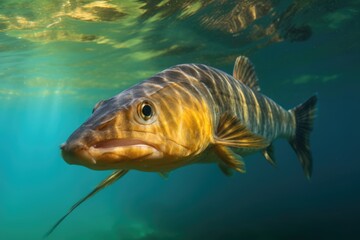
(147, 132)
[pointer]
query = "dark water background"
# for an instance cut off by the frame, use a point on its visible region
(58, 58)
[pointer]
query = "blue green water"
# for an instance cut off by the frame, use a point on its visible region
(58, 58)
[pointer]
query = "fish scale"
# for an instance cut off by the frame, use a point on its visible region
(227, 94)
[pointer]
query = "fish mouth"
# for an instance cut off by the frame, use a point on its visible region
(76, 154)
(122, 153)
(124, 148)
(119, 142)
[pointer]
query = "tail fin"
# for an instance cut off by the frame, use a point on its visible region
(304, 117)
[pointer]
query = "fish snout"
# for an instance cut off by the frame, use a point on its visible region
(75, 153)
(71, 147)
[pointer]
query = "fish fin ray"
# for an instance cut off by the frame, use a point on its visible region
(229, 159)
(232, 133)
(304, 117)
(269, 154)
(225, 169)
(244, 71)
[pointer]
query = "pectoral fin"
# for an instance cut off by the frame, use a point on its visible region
(229, 159)
(225, 169)
(232, 133)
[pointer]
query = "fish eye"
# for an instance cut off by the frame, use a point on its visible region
(145, 110)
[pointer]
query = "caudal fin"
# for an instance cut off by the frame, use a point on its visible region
(304, 117)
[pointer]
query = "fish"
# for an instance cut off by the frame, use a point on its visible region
(187, 114)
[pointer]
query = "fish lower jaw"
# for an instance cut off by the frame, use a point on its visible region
(82, 157)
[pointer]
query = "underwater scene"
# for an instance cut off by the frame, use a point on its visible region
(59, 58)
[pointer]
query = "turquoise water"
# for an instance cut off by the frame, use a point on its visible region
(58, 58)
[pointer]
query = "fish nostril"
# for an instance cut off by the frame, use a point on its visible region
(62, 146)
(72, 147)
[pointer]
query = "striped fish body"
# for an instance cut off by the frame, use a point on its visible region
(189, 113)
(226, 95)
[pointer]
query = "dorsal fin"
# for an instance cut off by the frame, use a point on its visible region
(244, 71)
